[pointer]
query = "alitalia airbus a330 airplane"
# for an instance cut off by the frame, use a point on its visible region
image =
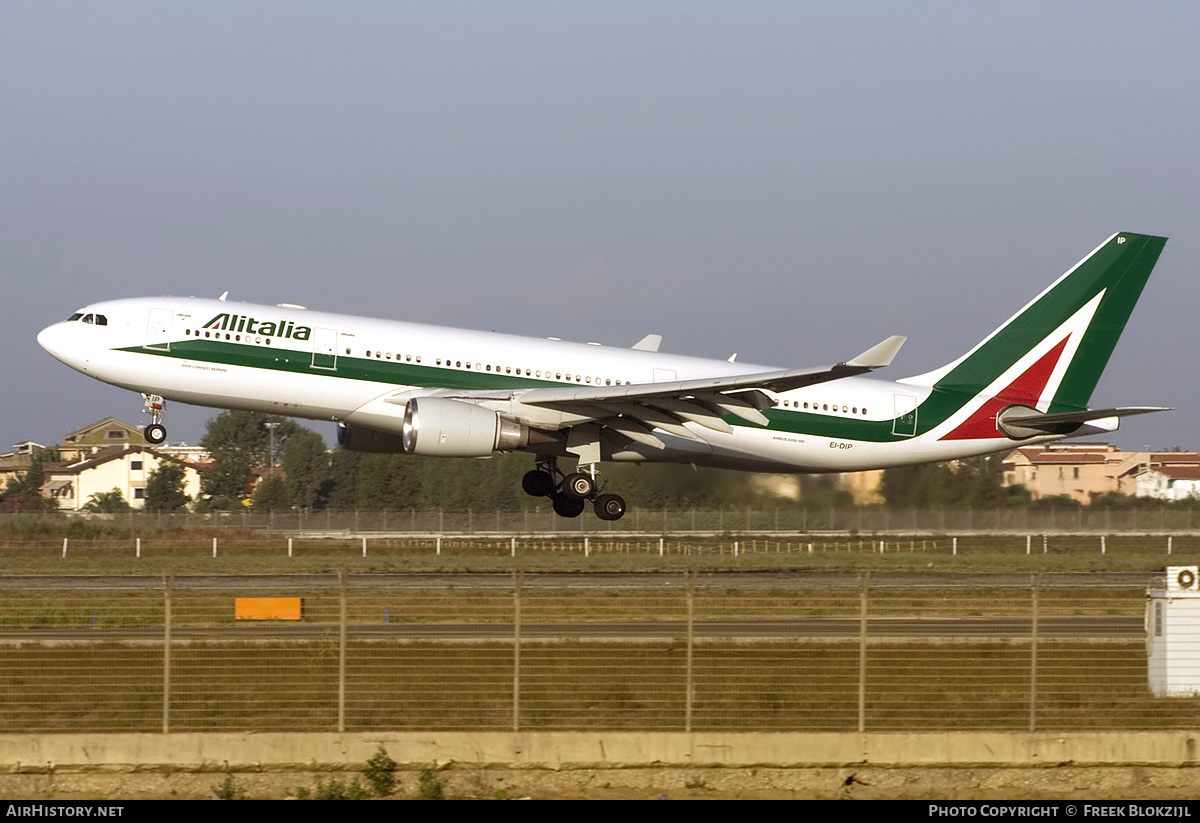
(417, 389)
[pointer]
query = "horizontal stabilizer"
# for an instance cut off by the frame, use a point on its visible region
(1019, 422)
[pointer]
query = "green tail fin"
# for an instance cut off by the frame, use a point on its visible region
(1069, 330)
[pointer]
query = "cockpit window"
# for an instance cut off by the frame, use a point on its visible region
(101, 320)
(88, 318)
(76, 316)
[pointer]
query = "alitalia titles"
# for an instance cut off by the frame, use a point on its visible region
(241, 323)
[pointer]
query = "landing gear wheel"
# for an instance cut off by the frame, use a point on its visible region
(566, 506)
(155, 433)
(538, 483)
(579, 485)
(609, 507)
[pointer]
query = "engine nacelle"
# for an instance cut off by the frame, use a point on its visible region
(369, 441)
(450, 428)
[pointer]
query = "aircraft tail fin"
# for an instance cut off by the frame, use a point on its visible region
(1050, 354)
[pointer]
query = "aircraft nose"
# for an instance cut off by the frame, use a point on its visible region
(53, 340)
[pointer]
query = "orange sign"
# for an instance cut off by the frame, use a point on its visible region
(267, 608)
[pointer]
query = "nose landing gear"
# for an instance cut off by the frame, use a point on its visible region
(569, 496)
(155, 433)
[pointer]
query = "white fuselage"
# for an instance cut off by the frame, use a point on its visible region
(352, 369)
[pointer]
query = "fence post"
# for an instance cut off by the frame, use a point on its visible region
(341, 707)
(214, 547)
(168, 584)
(518, 579)
(862, 652)
(139, 547)
(364, 541)
(1033, 653)
(691, 629)
(64, 548)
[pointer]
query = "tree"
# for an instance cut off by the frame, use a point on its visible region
(108, 502)
(343, 491)
(971, 482)
(165, 488)
(240, 443)
(306, 464)
(272, 495)
(24, 487)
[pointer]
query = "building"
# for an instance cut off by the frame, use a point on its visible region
(1085, 471)
(1169, 482)
(113, 432)
(17, 461)
(102, 434)
(125, 468)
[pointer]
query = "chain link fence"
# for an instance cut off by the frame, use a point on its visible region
(735, 651)
(862, 520)
(282, 546)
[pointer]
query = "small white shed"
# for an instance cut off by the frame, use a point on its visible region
(1173, 634)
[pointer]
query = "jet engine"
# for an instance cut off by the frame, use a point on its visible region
(368, 441)
(450, 428)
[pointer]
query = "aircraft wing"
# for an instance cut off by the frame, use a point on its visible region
(633, 410)
(876, 357)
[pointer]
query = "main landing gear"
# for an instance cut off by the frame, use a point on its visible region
(570, 494)
(156, 432)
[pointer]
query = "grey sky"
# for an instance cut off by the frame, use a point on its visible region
(791, 181)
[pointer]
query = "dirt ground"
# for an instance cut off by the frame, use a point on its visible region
(1046, 783)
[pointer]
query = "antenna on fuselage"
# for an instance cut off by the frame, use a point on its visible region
(224, 294)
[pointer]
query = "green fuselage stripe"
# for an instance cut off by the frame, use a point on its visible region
(934, 410)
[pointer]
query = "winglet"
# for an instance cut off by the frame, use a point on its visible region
(879, 355)
(650, 342)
